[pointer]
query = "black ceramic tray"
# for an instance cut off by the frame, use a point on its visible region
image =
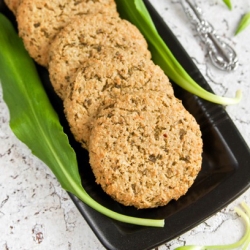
(224, 175)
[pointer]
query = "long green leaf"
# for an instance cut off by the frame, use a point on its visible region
(136, 12)
(244, 23)
(34, 122)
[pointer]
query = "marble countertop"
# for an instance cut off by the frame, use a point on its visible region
(35, 213)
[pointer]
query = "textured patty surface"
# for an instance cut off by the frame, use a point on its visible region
(101, 80)
(145, 149)
(40, 20)
(90, 37)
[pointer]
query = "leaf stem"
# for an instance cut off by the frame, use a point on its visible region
(136, 12)
(80, 192)
(244, 241)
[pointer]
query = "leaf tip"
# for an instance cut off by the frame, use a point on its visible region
(237, 32)
(228, 4)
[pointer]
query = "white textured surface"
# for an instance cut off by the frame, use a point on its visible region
(35, 213)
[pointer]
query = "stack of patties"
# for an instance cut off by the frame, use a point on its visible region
(144, 147)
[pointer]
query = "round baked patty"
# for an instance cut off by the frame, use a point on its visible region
(98, 81)
(145, 149)
(90, 37)
(39, 21)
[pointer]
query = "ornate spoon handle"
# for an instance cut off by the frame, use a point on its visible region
(221, 54)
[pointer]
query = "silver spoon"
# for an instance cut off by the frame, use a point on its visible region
(221, 54)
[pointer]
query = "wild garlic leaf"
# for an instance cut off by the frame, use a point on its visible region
(228, 3)
(32, 118)
(244, 23)
(136, 12)
(35, 123)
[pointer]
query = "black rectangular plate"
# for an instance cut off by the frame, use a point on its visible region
(224, 175)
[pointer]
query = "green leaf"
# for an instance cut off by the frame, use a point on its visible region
(32, 118)
(244, 23)
(136, 12)
(34, 122)
(228, 3)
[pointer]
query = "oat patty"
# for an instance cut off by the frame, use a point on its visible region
(145, 149)
(90, 37)
(40, 20)
(99, 80)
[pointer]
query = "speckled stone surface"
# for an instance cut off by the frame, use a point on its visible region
(35, 213)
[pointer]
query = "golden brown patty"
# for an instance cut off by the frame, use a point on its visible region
(145, 149)
(90, 37)
(40, 20)
(98, 81)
